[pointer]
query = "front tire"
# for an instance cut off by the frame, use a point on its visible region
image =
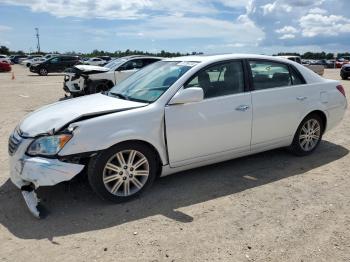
(123, 171)
(308, 135)
(43, 72)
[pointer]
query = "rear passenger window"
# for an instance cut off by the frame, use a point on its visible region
(296, 78)
(149, 61)
(268, 74)
(219, 80)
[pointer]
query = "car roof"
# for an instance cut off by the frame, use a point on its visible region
(221, 57)
(140, 56)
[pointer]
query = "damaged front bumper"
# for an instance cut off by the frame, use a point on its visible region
(29, 173)
(73, 83)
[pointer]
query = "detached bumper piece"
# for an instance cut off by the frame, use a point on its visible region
(33, 202)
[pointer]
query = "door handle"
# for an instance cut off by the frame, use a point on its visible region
(301, 98)
(242, 108)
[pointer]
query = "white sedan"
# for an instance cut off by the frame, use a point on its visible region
(33, 61)
(95, 61)
(174, 115)
(5, 58)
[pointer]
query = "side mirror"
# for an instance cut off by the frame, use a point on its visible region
(188, 95)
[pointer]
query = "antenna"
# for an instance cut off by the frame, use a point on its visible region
(37, 37)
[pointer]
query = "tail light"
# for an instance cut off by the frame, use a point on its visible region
(341, 89)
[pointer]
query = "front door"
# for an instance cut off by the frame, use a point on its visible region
(220, 124)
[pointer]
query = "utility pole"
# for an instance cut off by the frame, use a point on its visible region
(37, 37)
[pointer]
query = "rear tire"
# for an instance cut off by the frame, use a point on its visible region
(308, 135)
(117, 175)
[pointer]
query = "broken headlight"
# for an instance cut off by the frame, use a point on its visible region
(48, 145)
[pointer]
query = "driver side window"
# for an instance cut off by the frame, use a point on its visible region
(55, 60)
(133, 64)
(219, 80)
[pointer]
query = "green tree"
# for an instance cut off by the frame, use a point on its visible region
(4, 50)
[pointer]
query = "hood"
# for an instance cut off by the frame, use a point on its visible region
(88, 68)
(53, 117)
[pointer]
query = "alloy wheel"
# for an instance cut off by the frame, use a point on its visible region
(43, 71)
(310, 135)
(126, 172)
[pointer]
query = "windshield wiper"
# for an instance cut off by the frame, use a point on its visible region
(119, 95)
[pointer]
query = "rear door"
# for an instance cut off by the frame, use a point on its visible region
(219, 125)
(69, 62)
(279, 98)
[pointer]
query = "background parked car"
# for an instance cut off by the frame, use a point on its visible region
(20, 60)
(15, 58)
(340, 62)
(345, 71)
(36, 60)
(318, 69)
(5, 67)
(5, 58)
(55, 65)
(87, 79)
(105, 57)
(95, 61)
(48, 56)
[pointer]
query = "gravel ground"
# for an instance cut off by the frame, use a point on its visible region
(266, 207)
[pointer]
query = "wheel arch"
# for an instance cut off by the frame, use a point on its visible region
(321, 114)
(150, 146)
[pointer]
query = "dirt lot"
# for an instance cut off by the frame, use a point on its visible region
(267, 207)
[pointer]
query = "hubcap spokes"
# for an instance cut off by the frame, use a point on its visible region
(309, 135)
(126, 173)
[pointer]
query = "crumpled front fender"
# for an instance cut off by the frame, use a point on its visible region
(44, 172)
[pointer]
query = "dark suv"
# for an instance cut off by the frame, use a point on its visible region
(345, 71)
(55, 65)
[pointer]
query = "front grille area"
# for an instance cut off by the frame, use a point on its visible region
(14, 142)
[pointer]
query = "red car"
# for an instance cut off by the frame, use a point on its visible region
(5, 67)
(340, 62)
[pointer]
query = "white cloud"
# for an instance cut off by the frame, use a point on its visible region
(304, 3)
(287, 36)
(269, 8)
(234, 3)
(5, 28)
(113, 9)
(322, 25)
(318, 10)
(287, 30)
(276, 7)
(174, 27)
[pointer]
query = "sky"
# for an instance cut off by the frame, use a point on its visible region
(209, 26)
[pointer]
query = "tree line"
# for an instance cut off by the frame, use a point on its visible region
(308, 55)
(316, 56)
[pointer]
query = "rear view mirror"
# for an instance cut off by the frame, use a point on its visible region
(188, 95)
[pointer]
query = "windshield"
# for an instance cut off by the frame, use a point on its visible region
(148, 84)
(115, 63)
